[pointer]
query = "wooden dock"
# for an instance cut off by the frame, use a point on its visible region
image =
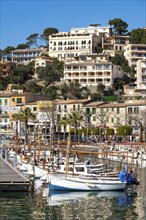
(11, 179)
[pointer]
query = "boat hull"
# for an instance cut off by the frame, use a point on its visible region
(81, 184)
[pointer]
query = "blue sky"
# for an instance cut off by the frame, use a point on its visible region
(21, 18)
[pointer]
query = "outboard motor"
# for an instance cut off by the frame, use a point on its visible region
(128, 177)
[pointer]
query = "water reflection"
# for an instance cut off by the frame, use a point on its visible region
(60, 197)
(65, 205)
(47, 205)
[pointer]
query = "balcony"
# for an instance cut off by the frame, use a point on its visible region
(144, 81)
(83, 81)
(91, 75)
(83, 74)
(19, 104)
(143, 72)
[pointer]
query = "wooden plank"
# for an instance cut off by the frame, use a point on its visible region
(9, 174)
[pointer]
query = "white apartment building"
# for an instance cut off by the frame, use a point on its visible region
(134, 52)
(93, 29)
(89, 71)
(26, 55)
(141, 77)
(114, 44)
(65, 45)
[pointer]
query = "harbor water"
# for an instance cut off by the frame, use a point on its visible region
(46, 205)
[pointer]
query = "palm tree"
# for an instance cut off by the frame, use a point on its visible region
(16, 117)
(64, 121)
(25, 116)
(75, 119)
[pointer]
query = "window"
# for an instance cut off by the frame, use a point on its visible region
(6, 101)
(87, 111)
(0, 102)
(19, 100)
(59, 108)
(13, 99)
(74, 107)
(130, 121)
(78, 107)
(98, 66)
(65, 107)
(118, 120)
(94, 118)
(5, 120)
(136, 110)
(118, 110)
(107, 66)
(58, 117)
(34, 109)
(129, 110)
(93, 110)
(112, 120)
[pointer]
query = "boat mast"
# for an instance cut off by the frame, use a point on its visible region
(67, 152)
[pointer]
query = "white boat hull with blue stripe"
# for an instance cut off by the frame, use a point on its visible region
(81, 183)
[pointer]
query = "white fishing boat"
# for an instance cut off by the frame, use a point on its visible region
(31, 170)
(84, 183)
(82, 168)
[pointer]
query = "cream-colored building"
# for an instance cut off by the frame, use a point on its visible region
(131, 92)
(141, 77)
(114, 44)
(65, 107)
(46, 110)
(65, 45)
(42, 62)
(111, 115)
(134, 52)
(90, 70)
